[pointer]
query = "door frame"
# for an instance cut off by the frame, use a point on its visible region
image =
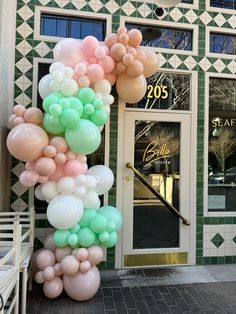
(193, 165)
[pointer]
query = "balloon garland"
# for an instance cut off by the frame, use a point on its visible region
(76, 99)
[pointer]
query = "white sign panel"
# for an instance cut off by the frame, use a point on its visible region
(216, 201)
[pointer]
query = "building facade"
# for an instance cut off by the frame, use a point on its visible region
(180, 137)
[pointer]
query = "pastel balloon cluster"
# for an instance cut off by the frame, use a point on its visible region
(96, 227)
(22, 115)
(74, 270)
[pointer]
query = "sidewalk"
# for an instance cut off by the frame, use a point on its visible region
(190, 289)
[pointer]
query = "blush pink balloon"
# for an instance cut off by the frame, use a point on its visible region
(117, 51)
(30, 165)
(49, 243)
(69, 52)
(60, 253)
(107, 63)
(58, 174)
(24, 180)
(45, 166)
(84, 168)
(72, 168)
(45, 258)
(81, 158)
(59, 143)
(95, 72)
(93, 60)
(100, 53)
(89, 45)
(84, 81)
(69, 265)
(33, 115)
(26, 141)
(82, 254)
(120, 67)
(60, 159)
(32, 176)
(70, 155)
(49, 151)
(57, 268)
(95, 255)
(111, 39)
(39, 278)
(43, 179)
(124, 38)
(53, 288)
(19, 110)
(111, 78)
(81, 68)
(11, 121)
(133, 51)
(49, 273)
(85, 266)
(18, 121)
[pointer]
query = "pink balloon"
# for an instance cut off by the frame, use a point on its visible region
(60, 159)
(82, 286)
(120, 67)
(26, 141)
(111, 78)
(89, 45)
(30, 165)
(49, 243)
(43, 179)
(93, 60)
(53, 288)
(32, 176)
(128, 59)
(82, 254)
(95, 255)
(25, 181)
(49, 151)
(72, 168)
(133, 51)
(33, 115)
(84, 266)
(107, 63)
(117, 51)
(100, 53)
(19, 110)
(121, 30)
(84, 81)
(84, 168)
(81, 68)
(95, 72)
(11, 121)
(18, 121)
(69, 265)
(124, 38)
(45, 166)
(81, 158)
(45, 258)
(111, 39)
(68, 51)
(70, 155)
(58, 174)
(49, 273)
(57, 268)
(59, 143)
(60, 253)
(39, 278)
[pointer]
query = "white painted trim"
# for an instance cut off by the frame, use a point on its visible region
(220, 10)
(182, 26)
(206, 133)
(195, 4)
(219, 30)
(56, 11)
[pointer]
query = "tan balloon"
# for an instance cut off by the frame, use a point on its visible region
(150, 64)
(33, 115)
(26, 141)
(135, 69)
(45, 258)
(53, 288)
(117, 51)
(135, 37)
(131, 90)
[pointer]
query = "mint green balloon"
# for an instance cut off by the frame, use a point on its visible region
(88, 215)
(113, 238)
(49, 100)
(89, 109)
(76, 104)
(86, 237)
(60, 237)
(52, 124)
(55, 110)
(86, 95)
(73, 239)
(112, 214)
(70, 118)
(99, 117)
(98, 224)
(98, 103)
(75, 229)
(84, 139)
(97, 241)
(104, 236)
(64, 103)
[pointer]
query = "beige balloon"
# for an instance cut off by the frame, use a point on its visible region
(151, 63)
(132, 90)
(53, 288)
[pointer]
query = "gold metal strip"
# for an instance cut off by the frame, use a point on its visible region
(156, 259)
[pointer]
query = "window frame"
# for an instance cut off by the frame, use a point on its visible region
(219, 10)
(226, 31)
(206, 135)
(182, 26)
(73, 13)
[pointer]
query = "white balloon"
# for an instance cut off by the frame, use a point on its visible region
(80, 192)
(103, 87)
(104, 176)
(38, 193)
(56, 66)
(57, 76)
(49, 189)
(66, 185)
(91, 200)
(68, 72)
(167, 3)
(44, 86)
(108, 100)
(64, 211)
(55, 86)
(81, 180)
(107, 109)
(69, 87)
(91, 182)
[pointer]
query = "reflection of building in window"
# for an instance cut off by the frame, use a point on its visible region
(168, 38)
(224, 4)
(222, 43)
(70, 26)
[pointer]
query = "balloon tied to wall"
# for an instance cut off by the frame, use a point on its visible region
(53, 144)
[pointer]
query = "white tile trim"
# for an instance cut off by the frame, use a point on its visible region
(206, 133)
(195, 4)
(184, 26)
(220, 10)
(222, 31)
(39, 10)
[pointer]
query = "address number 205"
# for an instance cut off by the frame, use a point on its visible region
(157, 91)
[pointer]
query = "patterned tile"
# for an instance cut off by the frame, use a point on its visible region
(217, 240)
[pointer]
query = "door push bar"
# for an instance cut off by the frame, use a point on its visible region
(157, 194)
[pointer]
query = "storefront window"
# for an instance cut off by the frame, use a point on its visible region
(224, 4)
(169, 91)
(222, 145)
(223, 43)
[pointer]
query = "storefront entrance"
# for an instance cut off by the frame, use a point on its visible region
(157, 152)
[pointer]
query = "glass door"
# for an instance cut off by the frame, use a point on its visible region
(157, 145)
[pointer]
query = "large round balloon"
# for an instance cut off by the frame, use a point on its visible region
(82, 286)
(44, 86)
(131, 90)
(112, 215)
(26, 141)
(64, 211)
(53, 288)
(84, 139)
(150, 64)
(167, 3)
(104, 177)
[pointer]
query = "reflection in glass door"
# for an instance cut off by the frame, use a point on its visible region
(157, 145)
